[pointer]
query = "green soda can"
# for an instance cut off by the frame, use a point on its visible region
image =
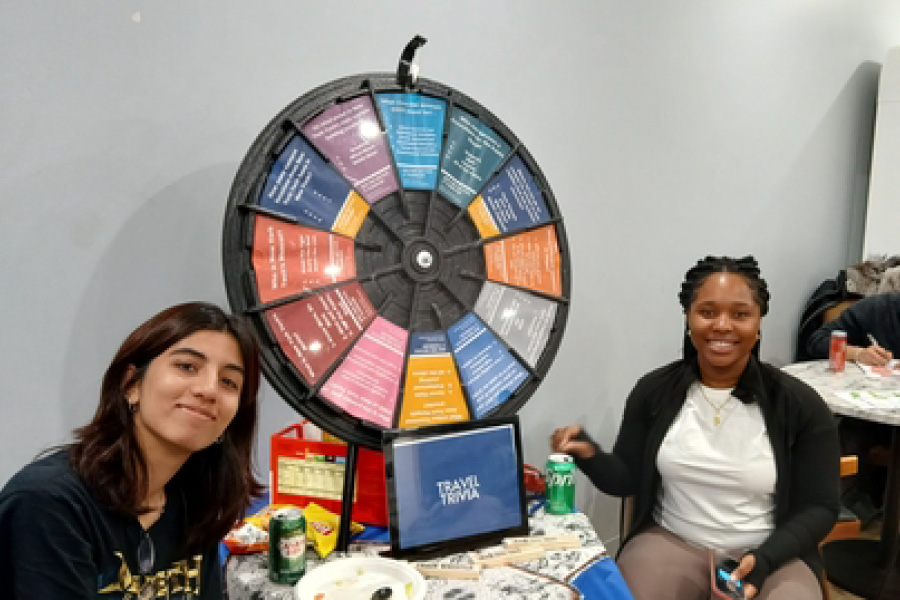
(560, 484)
(287, 545)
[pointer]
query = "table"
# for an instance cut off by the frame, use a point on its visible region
(859, 566)
(547, 578)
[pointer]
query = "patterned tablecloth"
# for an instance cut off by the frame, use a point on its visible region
(546, 578)
(830, 384)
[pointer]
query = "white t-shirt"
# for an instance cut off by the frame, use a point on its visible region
(718, 481)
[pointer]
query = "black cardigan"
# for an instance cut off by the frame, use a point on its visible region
(804, 442)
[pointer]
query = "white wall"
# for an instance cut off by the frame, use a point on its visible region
(668, 130)
(882, 228)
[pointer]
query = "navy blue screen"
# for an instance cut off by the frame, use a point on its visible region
(456, 485)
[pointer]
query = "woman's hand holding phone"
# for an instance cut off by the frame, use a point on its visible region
(728, 575)
(748, 561)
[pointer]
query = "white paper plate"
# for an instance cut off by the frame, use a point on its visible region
(357, 578)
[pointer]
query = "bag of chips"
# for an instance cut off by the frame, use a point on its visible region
(252, 533)
(322, 528)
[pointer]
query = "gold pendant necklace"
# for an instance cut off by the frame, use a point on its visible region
(717, 420)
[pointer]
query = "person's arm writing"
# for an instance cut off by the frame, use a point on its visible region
(873, 354)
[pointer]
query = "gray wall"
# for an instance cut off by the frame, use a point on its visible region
(668, 130)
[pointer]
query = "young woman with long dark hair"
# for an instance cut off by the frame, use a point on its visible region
(136, 505)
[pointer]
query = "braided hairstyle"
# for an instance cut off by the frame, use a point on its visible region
(746, 267)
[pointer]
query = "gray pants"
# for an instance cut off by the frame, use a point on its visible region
(658, 565)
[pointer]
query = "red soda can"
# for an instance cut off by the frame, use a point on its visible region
(837, 351)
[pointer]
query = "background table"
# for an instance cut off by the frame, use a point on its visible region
(547, 578)
(859, 566)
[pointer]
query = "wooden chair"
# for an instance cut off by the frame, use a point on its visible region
(835, 311)
(848, 525)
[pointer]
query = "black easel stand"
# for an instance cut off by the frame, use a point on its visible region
(343, 539)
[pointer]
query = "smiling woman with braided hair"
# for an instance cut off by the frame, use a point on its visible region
(724, 455)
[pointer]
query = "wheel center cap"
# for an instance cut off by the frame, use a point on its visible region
(424, 259)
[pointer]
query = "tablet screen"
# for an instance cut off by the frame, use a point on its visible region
(455, 487)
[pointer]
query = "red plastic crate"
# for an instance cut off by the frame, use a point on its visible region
(304, 471)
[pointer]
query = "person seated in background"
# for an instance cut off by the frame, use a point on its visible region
(871, 318)
(136, 505)
(872, 325)
(725, 455)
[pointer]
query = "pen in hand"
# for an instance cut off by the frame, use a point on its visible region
(875, 354)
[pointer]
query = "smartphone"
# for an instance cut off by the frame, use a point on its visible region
(723, 587)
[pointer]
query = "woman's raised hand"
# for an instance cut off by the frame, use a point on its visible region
(568, 440)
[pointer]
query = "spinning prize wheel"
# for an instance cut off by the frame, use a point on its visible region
(400, 254)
